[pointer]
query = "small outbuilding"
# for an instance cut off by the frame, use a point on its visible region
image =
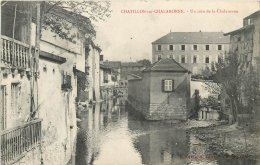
(163, 92)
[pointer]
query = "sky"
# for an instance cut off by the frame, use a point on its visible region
(128, 36)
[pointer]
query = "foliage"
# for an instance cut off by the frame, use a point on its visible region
(93, 10)
(211, 101)
(147, 63)
(240, 86)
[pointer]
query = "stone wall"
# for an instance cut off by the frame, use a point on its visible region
(172, 105)
(15, 113)
(92, 61)
(145, 95)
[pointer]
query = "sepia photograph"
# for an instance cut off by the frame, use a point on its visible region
(130, 82)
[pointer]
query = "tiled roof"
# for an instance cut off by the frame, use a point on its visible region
(240, 29)
(192, 37)
(113, 64)
(168, 65)
(132, 64)
(255, 14)
(104, 66)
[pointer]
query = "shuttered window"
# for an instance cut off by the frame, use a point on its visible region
(167, 85)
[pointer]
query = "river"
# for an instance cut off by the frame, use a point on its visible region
(111, 133)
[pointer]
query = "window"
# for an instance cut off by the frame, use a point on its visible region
(170, 47)
(206, 47)
(182, 47)
(101, 58)
(219, 59)
(66, 81)
(105, 77)
(207, 60)
(219, 47)
(194, 59)
(159, 57)
(15, 95)
(171, 56)
(182, 59)
(195, 47)
(167, 85)
(159, 47)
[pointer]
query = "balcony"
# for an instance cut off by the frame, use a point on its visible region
(16, 141)
(15, 53)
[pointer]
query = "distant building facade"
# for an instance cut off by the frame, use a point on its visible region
(115, 65)
(163, 92)
(108, 81)
(131, 68)
(193, 50)
(245, 42)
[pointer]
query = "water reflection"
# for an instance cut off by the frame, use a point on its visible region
(112, 134)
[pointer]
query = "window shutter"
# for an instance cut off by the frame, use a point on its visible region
(172, 85)
(163, 82)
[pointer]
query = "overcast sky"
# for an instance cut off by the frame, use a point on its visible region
(128, 37)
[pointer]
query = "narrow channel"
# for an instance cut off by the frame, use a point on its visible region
(111, 133)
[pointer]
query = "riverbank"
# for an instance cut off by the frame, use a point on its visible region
(227, 140)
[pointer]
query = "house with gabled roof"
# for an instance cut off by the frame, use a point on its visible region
(193, 50)
(163, 91)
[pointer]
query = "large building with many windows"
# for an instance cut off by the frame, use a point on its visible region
(245, 43)
(193, 50)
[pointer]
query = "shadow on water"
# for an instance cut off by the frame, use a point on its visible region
(112, 133)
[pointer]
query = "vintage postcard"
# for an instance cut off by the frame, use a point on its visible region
(130, 82)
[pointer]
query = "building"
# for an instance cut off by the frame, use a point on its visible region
(245, 42)
(165, 91)
(108, 81)
(16, 76)
(92, 61)
(108, 76)
(131, 68)
(115, 65)
(38, 85)
(193, 50)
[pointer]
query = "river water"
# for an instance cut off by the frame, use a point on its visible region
(113, 134)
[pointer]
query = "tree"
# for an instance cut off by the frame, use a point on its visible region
(147, 63)
(240, 86)
(94, 10)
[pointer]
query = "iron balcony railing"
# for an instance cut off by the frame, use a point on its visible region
(16, 141)
(15, 53)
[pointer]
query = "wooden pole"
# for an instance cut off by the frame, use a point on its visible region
(37, 48)
(13, 51)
